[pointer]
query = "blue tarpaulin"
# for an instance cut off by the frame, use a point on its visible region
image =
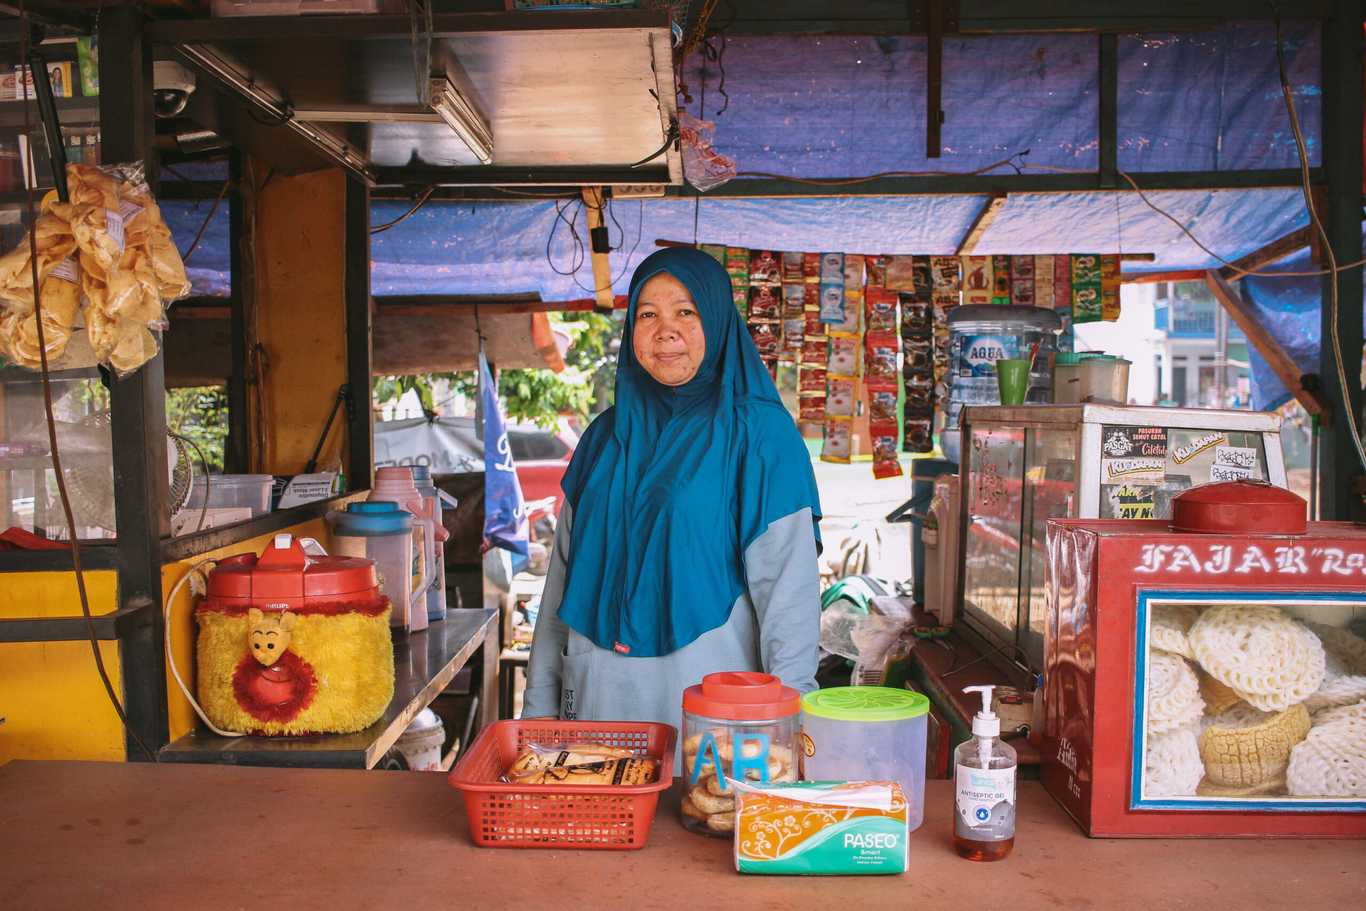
(846, 106)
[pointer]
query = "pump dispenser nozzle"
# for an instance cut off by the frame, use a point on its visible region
(984, 723)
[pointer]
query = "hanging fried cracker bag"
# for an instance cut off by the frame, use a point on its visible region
(106, 264)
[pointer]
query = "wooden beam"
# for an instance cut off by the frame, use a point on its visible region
(1284, 366)
(602, 267)
(1273, 252)
(1154, 278)
(985, 216)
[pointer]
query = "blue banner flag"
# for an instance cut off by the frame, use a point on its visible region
(505, 519)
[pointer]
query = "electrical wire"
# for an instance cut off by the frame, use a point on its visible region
(1333, 302)
(1232, 267)
(170, 653)
(848, 181)
(25, 27)
(199, 235)
(421, 201)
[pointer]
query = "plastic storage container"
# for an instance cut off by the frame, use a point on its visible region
(223, 490)
(1087, 376)
(396, 484)
(378, 530)
(979, 336)
(421, 742)
(436, 592)
(867, 733)
(503, 815)
(736, 724)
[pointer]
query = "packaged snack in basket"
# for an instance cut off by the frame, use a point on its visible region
(839, 397)
(811, 380)
(1022, 281)
(715, 251)
(1086, 287)
(875, 271)
(881, 307)
(1000, 272)
(825, 827)
(944, 274)
(839, 439)
(765, 268)
(882, 361)
(765, 303)
(885, 462)
(811, 407)
(882, 406)
(792, 268)
(918, 435)
(978, 280)
(1109, 287)
(811, 267)
(766, 338)
(794, 300)
(580, 763)
(843, 358)
(832, 303)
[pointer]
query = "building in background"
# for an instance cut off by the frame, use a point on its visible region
(1204, 362)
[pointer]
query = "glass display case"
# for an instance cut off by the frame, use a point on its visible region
(1024, 465)
(1206, 684)
(28, 481)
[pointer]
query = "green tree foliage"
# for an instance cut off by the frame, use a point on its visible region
(539, 396)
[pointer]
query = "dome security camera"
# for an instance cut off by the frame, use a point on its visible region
(172, 85)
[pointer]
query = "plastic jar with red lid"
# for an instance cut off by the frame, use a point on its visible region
(736, 725)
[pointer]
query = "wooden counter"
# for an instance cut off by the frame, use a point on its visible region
(96, 835)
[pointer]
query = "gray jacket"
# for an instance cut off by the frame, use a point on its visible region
(774, 626)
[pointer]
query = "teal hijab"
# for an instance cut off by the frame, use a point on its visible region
(672, 484)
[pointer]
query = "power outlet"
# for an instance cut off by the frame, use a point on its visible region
(638, 191)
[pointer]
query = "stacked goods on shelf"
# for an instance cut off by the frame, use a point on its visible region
(794, 303)
(881, 351)
(841, 319)
(945, 291)
(766, 305)
(811, 376)
(917, 374)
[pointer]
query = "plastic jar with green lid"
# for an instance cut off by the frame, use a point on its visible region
(867, 733)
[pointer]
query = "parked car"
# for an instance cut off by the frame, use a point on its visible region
(451, 445)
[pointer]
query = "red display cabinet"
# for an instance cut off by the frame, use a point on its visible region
(1207, 684)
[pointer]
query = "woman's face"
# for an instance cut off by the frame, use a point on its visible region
(668, 338)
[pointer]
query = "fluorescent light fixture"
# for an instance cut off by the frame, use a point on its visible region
(463, 118)
(260, 94)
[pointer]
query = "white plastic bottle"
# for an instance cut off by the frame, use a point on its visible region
(984, 788)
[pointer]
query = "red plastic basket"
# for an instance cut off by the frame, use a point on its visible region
(503, 815)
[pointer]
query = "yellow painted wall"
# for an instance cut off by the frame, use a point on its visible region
(301, 315)
(51, 697)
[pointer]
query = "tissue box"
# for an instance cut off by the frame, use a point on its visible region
(812, 828)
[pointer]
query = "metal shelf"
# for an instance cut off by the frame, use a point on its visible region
(424, 662)
(71, 111)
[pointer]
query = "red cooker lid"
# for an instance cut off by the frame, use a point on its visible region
(284, 571)
(742, 696)
(1240, 507)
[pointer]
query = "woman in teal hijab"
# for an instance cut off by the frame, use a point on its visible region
(689, 535)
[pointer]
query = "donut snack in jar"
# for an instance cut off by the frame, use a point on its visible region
(736, 725)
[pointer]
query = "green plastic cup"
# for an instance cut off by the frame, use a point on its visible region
(1012, 375)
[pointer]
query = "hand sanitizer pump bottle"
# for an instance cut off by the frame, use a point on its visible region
(984, 788)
